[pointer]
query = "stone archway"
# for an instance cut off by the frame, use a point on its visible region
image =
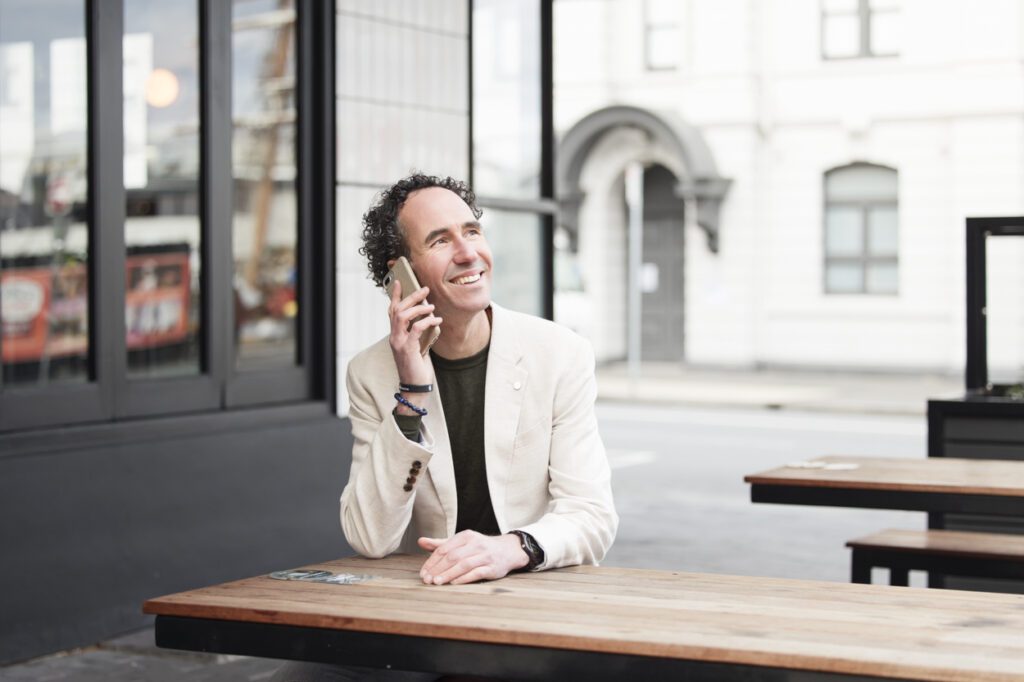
(592, 158)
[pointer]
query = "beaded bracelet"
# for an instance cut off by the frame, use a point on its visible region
(421, 411)
(415, 388)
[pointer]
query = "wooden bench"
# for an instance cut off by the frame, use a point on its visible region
(940, 552)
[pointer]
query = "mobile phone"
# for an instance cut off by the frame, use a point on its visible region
(402, 272)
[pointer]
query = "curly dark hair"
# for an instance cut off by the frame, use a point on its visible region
(383, 239)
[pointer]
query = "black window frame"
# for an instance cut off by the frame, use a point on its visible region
(545, 206)
(864, 259)
(865, 13)
(109, 395)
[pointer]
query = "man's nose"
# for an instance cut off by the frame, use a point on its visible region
(465, 250)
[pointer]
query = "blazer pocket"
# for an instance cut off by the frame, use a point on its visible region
(534, 434)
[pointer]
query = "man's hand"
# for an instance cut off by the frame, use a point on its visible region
(413, 368)
(470, 556)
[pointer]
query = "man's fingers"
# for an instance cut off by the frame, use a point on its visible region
(404, 317)
(439, 561)
(415, 298)
(430, 544)
(485, 572)
(461, 568)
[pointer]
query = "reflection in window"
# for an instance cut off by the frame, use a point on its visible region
(44, 290)
(506, 98)
(861, 230)
(860, 28)
(515, 240)
(161, 179)
(265, 219)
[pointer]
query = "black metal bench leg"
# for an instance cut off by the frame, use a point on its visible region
(860, 568)
(899, 577)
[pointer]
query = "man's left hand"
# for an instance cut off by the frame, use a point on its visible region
(470, 556)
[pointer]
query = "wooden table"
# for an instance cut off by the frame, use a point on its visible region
(934, 484)
(606, 624)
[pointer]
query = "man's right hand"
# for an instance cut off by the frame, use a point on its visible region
(413, 367)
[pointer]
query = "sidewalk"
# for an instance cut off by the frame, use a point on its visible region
(850, 392)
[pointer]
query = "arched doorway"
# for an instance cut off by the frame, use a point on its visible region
(594, 224)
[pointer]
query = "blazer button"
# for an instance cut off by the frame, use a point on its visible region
(407, 488)
(518, 385)
(417, 464)
(414, 472)
(410, 480)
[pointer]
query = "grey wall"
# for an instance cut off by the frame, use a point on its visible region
(95, 521)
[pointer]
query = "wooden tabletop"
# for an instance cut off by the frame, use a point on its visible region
(894, 632)
(925, 475)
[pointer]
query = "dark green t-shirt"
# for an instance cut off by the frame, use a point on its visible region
(461, 384)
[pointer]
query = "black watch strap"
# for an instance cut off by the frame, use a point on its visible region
(533, 551)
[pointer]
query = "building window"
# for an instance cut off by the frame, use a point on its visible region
(512, 167)
(661, 35)
(853, 29)
(128, 210)
(861, 230)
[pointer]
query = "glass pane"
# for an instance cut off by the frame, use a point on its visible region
(841, 35)
(883, 278)
(161, 177)
(861, 183)
(44, 241)
(265, 218)
(506, 98)
(662, 12)
(844, 278)
(883, 232)
(515, 241)
(886, 33)
(835, 6)
(843, 231)
(1004, 323)
(663, 48)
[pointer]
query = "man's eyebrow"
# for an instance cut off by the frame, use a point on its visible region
(434, 234)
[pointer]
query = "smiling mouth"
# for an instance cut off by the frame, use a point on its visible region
(468, 279)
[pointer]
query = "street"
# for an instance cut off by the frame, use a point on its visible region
(677, 473)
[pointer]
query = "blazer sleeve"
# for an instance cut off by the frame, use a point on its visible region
(375, 507)
(580, 521)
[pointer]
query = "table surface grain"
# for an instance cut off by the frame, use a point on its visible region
(897, 632)
(926, 475)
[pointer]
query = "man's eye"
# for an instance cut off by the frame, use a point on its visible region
(440, 240)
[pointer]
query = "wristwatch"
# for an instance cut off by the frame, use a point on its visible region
(533, 551)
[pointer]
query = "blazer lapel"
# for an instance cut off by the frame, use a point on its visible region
(503, 399)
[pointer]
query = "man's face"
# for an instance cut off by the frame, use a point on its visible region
(448, 250)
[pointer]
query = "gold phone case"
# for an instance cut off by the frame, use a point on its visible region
(402, 272)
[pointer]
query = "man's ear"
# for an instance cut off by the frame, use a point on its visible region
(391, 263)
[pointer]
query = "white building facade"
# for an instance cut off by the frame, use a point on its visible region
(823, 157)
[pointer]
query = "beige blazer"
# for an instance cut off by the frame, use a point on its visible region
(546, 465)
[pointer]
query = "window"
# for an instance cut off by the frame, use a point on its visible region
(860, 28)
(152, 263)
(861, 230)
(661, 35)
(512, 135)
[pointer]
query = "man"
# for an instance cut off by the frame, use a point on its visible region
(484, 452)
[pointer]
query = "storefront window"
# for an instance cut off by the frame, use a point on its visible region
(265, 231)
(44, 240)
(161, 180)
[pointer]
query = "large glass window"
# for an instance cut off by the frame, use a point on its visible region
(161, 181)
(506, 98)
(516, 243)
(860, 28)
(265, 217)
(44, 239)
(861, 230)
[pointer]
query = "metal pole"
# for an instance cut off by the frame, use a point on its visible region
(635, 203)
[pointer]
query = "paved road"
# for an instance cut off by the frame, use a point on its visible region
(678, 480)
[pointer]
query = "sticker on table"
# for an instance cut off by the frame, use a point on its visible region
(312, 576)
(806, 465)
(840, 466)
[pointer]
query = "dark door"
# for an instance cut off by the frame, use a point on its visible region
(662, 270)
